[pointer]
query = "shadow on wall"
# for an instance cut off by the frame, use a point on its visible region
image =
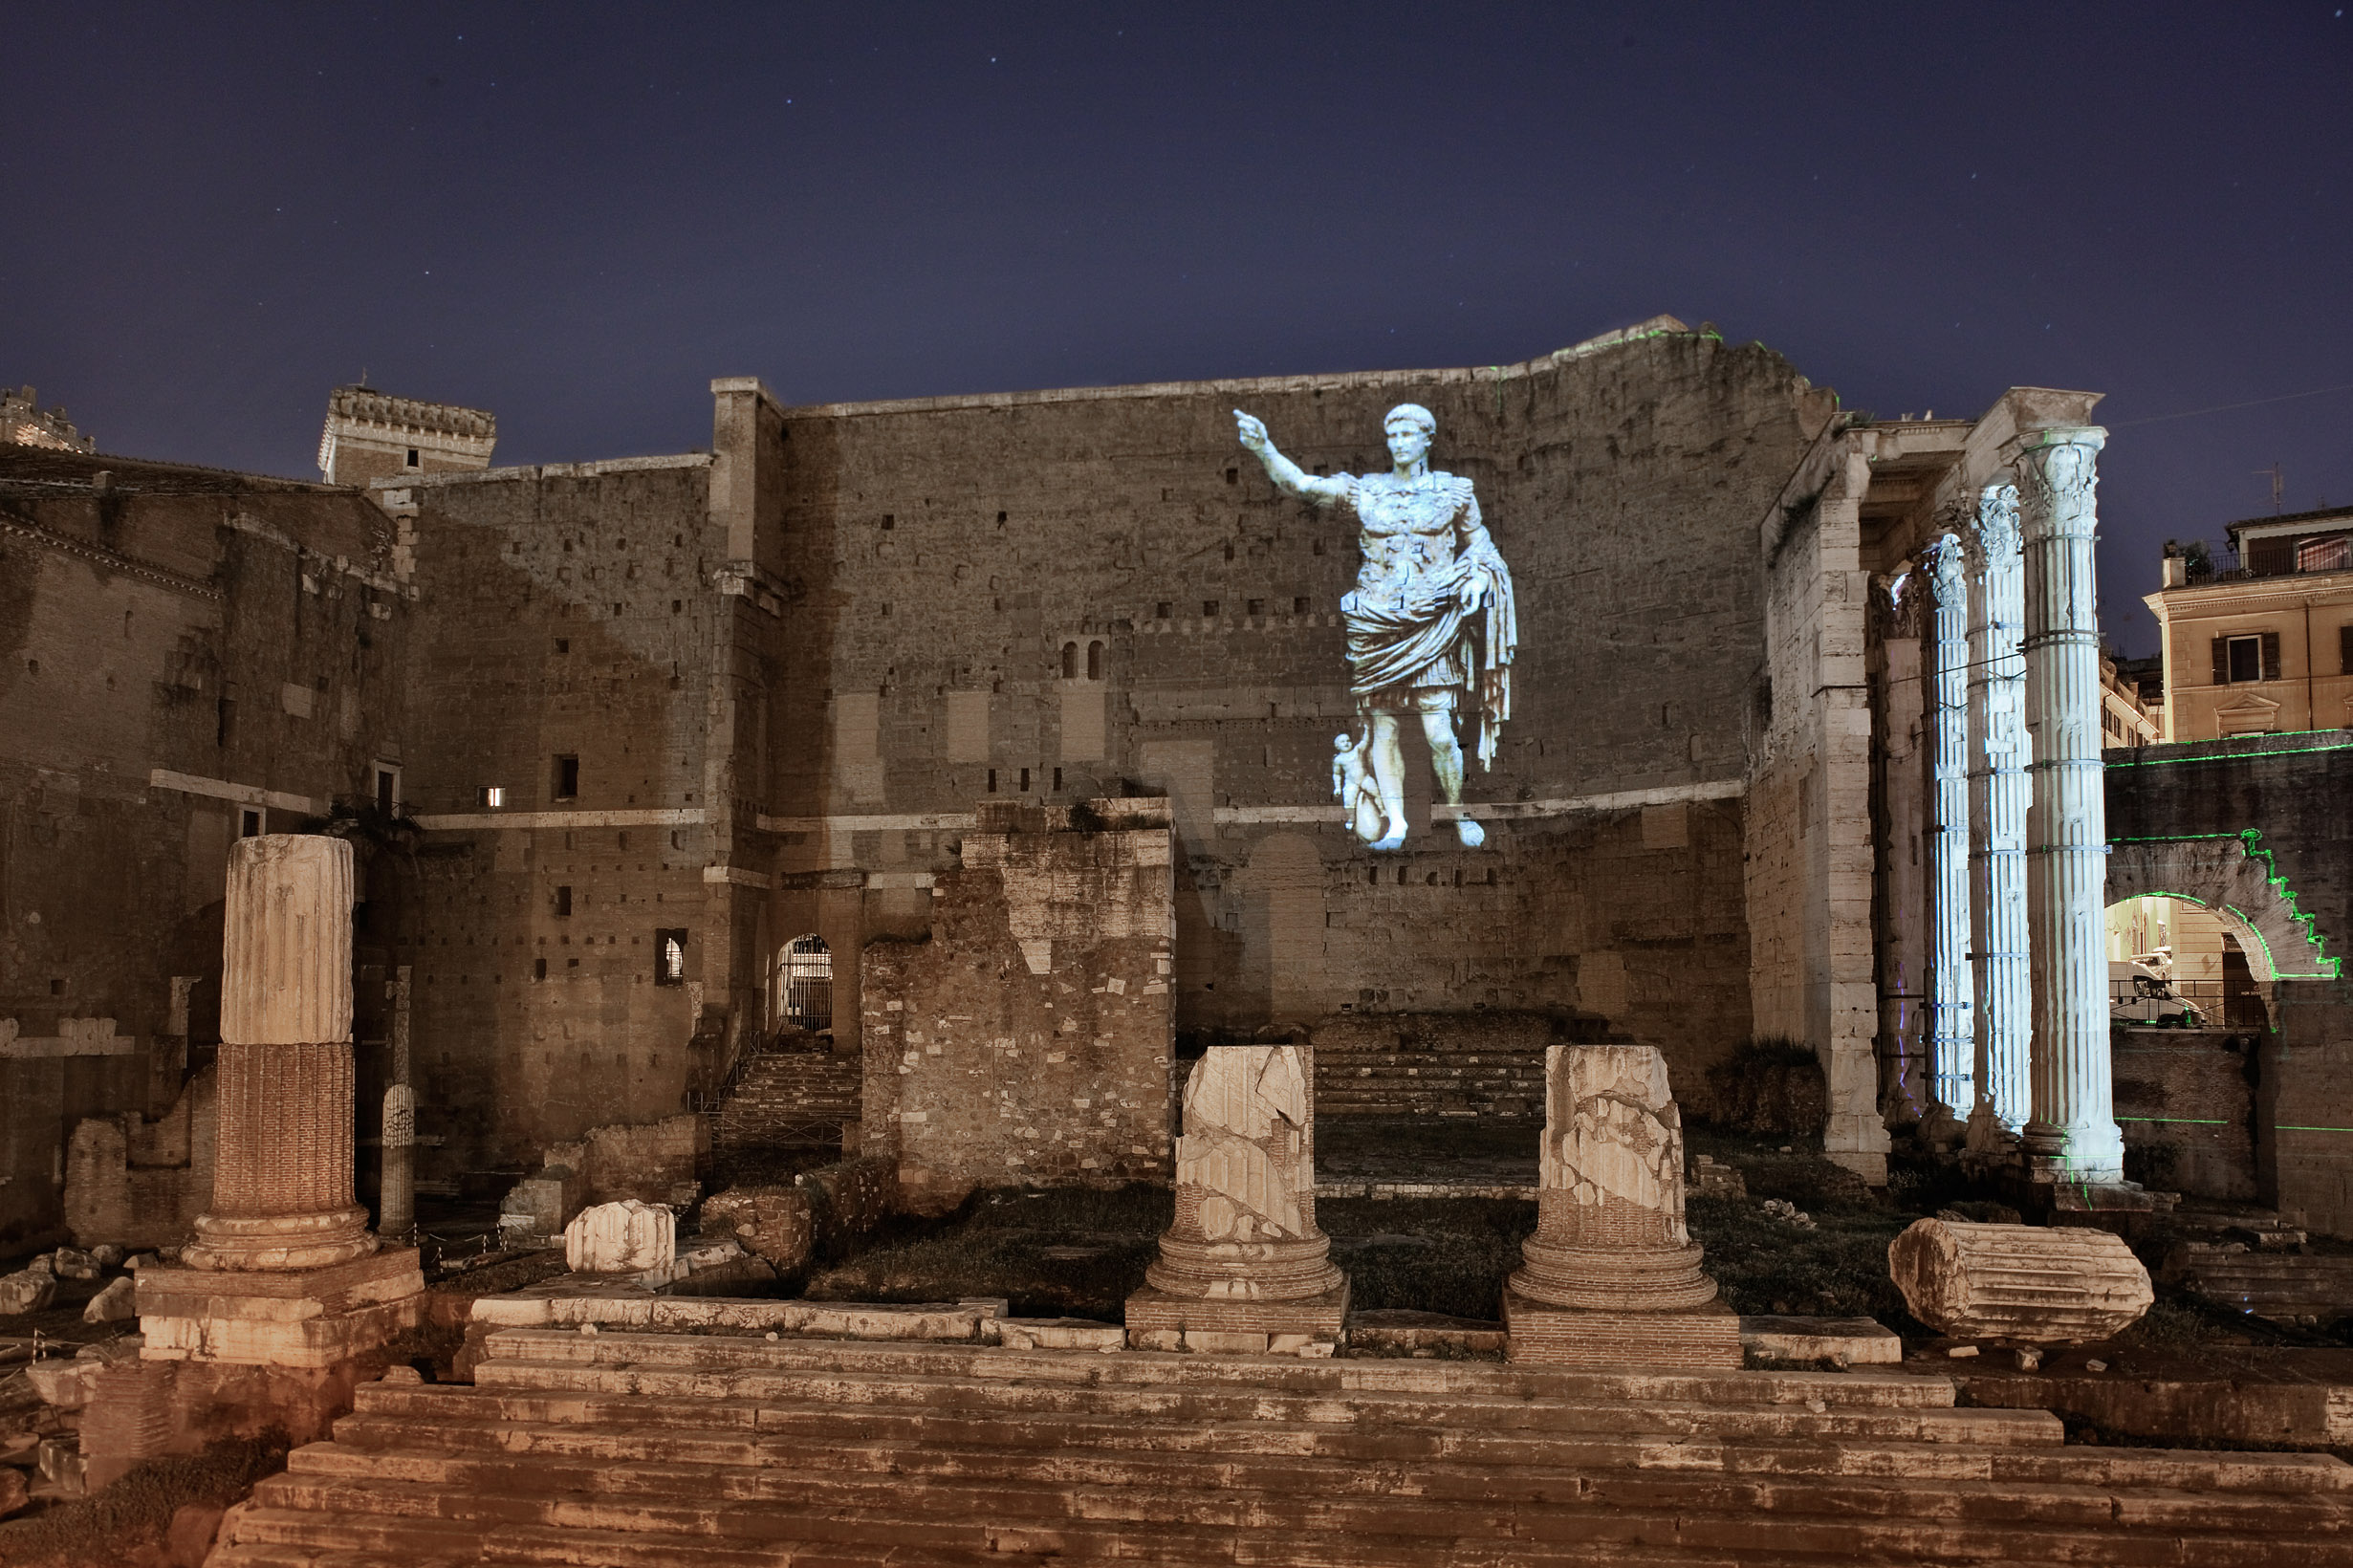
(1770, 1085)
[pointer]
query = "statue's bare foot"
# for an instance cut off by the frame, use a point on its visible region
(1395, 841)
(1469, 833)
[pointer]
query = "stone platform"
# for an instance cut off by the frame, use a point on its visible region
(1159, 1321)
(1543, 1335)
(308, 1318)
(701, 1450)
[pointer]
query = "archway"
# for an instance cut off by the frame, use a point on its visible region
(2232, 875)
(805, 995)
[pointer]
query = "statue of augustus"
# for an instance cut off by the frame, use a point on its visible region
(1431, 625)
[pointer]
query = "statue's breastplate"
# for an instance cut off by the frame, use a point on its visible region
(1406, 534)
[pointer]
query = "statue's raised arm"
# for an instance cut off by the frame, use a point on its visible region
(1288, 476)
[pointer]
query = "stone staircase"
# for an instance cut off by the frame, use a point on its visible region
(642, 1449)
(1371, 1078)
(784, 1099)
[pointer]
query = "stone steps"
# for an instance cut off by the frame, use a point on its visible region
(956, 1446)
(629, 1449)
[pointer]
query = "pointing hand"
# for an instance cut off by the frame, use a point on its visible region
(1251, 429)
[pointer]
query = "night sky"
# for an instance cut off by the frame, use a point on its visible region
(576, 216)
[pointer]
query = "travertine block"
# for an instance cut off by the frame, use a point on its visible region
(2062, 1285)
(624, 1238)
(1611, 1273)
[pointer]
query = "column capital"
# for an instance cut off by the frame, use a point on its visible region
(1996, 535)
(2058, 469)
(1942, 560)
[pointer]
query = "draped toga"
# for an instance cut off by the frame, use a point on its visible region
(1412, 648)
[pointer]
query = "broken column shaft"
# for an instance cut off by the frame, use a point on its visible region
(282, 1177)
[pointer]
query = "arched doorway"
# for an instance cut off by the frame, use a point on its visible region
(804, 996)
(2229, 881)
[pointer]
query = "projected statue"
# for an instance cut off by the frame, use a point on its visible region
(1431, 625)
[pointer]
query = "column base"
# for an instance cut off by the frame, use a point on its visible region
(1636, 1279)
(279, 1242)
(312, 1317)
(1541, 1334)
(1286, 1269)
(1159, 1321)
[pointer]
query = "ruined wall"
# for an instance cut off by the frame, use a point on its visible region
(178, 647)
(946, 557)
(2185, 1102)
(570, 619)
(2297, 792)
(1029, 1038)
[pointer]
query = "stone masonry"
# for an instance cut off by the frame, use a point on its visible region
(1029, 1039)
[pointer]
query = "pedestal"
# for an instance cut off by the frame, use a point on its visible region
(307, 1317)
(1611, 1275)
(1243, 1266)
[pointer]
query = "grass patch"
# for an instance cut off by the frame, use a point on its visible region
(136, 1509)
(1057, 1253)
(1427, 1254)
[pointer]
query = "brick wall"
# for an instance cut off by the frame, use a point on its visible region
(1029, 1038)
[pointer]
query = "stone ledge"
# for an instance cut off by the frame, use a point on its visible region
(1850, 1342)
(1308, 1326)
(569, 1304)
(1548, 1335)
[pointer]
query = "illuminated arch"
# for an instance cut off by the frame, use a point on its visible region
(2234, 876)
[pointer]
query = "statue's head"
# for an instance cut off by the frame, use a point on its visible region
(1409, 427)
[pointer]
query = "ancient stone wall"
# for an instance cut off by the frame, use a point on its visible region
(184, 655)
(1050, 596)
(568, 668)
(2296, 792)
(1029, 1038)
(2185, 1104)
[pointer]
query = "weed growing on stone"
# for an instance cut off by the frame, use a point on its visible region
(114, 1524)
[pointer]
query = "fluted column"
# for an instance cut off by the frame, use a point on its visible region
(1999, 791)
(1953, 1045)
(2067, 867)
(282, 1170)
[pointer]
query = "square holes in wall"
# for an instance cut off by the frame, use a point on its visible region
(563, 901)
(566, 782)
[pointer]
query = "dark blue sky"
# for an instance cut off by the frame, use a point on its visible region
(578, 215)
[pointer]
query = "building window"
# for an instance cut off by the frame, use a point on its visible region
(563, 901)
(1025, 781)
(1208, 609)
(490, 795)
(567, 778)
(387, 789)
(993, 781)
(538, 968)
(412, 457)
(670, 958)
(1070, 661)
(250, 823)
(2250, 656)
(1095, 661)
(1298, 606)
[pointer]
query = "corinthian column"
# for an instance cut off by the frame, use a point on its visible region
(1999, 792)
(2067, 867)
(1952, 1047)
(282, 1171)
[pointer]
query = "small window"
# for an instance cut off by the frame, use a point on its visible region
(412, 457)
(889, 522)
(538, 968)
(1025, 781)
(1233, 476)
(563, 645)
(1095, 661)
(993, 781)
(1162, 610)
(1258, 607)
(563, 901)
(1058, 781)
(1070, 661)
(250, 823)
(670, 958)
(490, 795)
(678, 606)
(2246, 659)
(387, 791)
(567, 778)
(1208, 609)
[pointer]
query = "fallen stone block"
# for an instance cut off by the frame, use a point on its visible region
(624, 1238)
(14, 1490)
(116, 1303)
(60, 1383)
(2019, 1283)
(26, 1291)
